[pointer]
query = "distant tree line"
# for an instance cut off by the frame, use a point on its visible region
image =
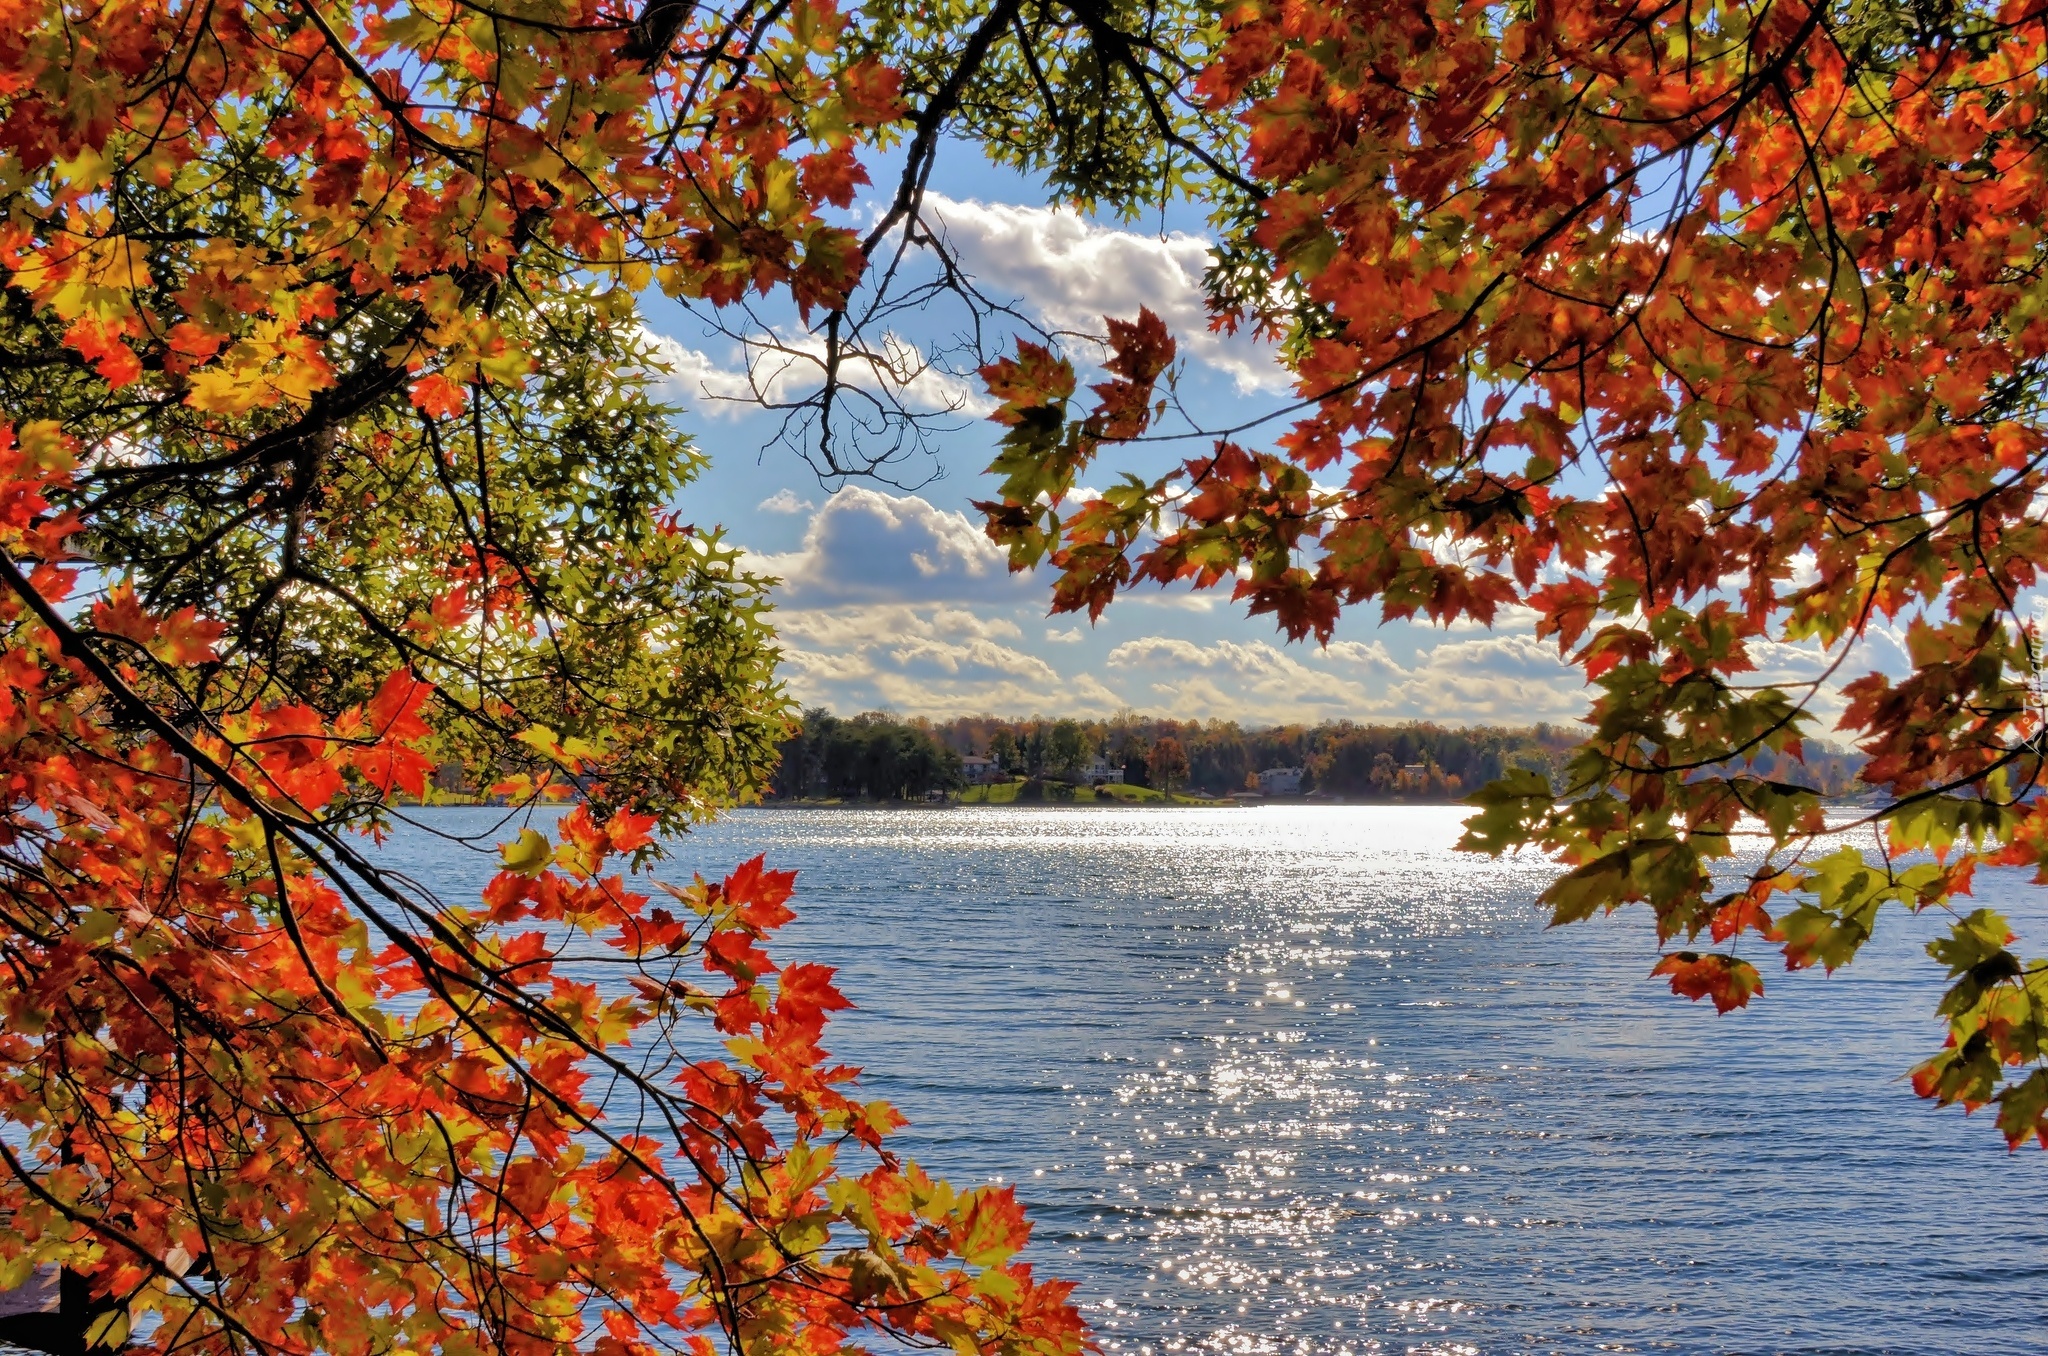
(877, 756)
(867, 757)
(1411, 761)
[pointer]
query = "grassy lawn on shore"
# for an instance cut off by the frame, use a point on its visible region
(1061, 793)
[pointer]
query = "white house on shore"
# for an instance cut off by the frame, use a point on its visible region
(1098, 769)
(978, 771)
(1280, 781)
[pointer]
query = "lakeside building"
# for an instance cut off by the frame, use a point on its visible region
(1280, 781)
(979, 771)
(1099, 769)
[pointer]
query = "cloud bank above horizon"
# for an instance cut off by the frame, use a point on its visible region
(891, 602)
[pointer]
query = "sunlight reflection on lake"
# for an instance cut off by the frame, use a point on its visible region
(1307, 1080)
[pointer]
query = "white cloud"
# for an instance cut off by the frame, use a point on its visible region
(1073, 272)
(1237, 677)
(697, 381)
(923, 671)
(791, 366)
(973, 659)
(840, 627)
(1364, 657)
(787, 367)
(1176, 599)
(1498, 679)
(1080, 695)
(785, 501)
(1511, 680)
(867, 546)
(890, 601)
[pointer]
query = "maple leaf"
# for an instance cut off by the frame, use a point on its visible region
(104, 348)
(437, 395)
(990, 1226)
(628, 832)
(528, 854)
(1728, 980)
(1745, 911)
(806, 992)
(394, 712)
(184, 638)
(760, 897)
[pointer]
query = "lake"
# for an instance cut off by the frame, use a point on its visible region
(1286, 1079)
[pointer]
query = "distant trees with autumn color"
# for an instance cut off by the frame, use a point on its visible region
(1167, 763)
(879, 756)
(866, 757)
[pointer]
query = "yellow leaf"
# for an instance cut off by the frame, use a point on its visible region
(297, 378)
(541, 740)
(779, 188)
(225, 390)
(508, 368)
(529, 855)
(86, 171)
(109, 1330)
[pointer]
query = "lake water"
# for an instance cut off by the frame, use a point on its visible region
(1306, 1080)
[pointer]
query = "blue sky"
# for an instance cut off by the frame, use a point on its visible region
(892, 598)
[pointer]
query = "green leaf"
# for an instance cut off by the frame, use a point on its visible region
(2022, 1108)
(1509, 808)
(1971, 941)
(96, 925)
(1581, 893)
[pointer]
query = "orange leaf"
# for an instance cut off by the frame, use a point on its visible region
(1730, 982)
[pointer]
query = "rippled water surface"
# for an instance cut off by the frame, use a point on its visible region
(1307, 1080)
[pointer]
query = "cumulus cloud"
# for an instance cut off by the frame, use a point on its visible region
(1230, 677)
(785, 501)
(1072, 272)
(864, 545)
(1506, 679)
(921, 695)
(1177, 599)
(915, 672)
(791, 366)
(697, 381)
(1499, 679)
(780, 368)
(881, 624)
(890, 601)
(975, 659)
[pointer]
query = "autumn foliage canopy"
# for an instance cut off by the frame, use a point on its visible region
(330, 461)
(1710, 338)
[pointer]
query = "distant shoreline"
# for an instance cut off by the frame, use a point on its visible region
(1179, 802)
(1080, 799)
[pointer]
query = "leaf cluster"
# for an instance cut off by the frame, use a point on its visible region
(1711, 337)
